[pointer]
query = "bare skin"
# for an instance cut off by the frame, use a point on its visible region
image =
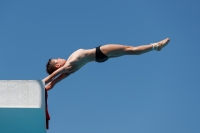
(83, 56)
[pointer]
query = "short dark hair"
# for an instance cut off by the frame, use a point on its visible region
(50, 67)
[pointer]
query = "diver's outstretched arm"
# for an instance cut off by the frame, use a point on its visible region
(53, 75)
(55, 81)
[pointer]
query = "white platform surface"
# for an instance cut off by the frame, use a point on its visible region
(22, 106)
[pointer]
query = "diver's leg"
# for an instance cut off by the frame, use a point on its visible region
(115, 50)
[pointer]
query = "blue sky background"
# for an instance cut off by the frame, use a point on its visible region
(157, 92)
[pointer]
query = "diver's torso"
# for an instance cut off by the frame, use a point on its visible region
(79, 58)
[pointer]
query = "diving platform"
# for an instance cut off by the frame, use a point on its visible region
(22, 106)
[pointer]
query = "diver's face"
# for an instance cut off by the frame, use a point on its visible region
(59, 62)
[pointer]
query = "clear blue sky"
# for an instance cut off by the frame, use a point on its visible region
(158, 92)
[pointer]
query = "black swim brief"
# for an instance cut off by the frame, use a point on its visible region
(100, 57)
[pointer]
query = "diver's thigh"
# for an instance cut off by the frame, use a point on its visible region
(114, 50)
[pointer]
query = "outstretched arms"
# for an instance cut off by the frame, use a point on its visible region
(67, 68)
(56, 80)
(53, 75)
(53, 78)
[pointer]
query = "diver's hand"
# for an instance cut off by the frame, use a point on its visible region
(49, 86)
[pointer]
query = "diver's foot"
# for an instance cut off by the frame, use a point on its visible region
(162, 44)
